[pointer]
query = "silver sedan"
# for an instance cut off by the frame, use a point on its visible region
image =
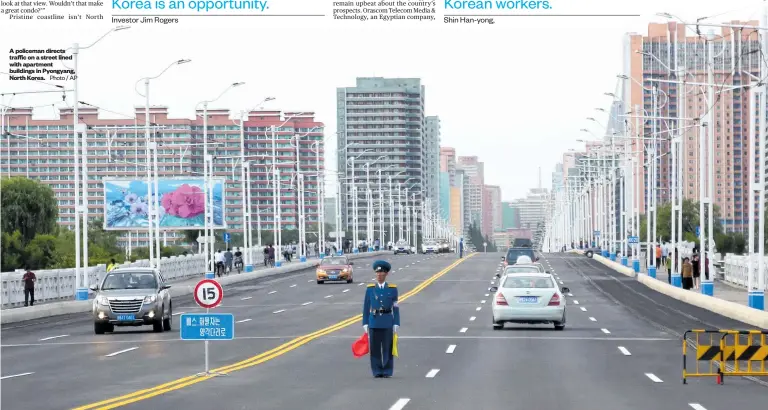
(531, 298)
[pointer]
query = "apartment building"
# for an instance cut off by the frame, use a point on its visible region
(474, 181)
(431, 161)
(381, 132)
(492, 218)
(43, 149)
(670, 51)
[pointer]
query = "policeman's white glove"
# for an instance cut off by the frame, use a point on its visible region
(365, 327)
(394, 328)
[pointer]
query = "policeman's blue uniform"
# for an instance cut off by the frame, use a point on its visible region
(381, 314)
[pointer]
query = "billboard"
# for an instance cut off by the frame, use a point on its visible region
(182, 204)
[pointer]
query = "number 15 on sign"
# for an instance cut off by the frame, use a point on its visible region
(208, 293)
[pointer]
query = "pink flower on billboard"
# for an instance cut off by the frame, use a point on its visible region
(186, 201)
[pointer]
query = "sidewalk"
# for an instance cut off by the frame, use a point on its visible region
(723, 290)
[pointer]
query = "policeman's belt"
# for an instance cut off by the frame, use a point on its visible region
(381, 311)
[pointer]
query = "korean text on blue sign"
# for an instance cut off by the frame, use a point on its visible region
(207, 326)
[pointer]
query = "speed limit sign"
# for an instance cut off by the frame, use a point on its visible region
(208, 293)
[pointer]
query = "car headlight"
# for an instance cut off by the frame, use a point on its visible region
(320, 272)
(150, 299)
(102, 300)
(347, 270)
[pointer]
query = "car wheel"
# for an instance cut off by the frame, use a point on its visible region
(350, 280)
(588, 254)
(167, 322)
(157, 326)
(560, 325)
(497, 325)
(320, 282)
(98, 328)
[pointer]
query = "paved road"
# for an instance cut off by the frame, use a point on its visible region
(620, 350)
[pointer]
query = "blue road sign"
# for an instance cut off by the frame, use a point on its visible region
(698, 231)
(207, 326)
(597, 233)
(226, 237)
(633, 239)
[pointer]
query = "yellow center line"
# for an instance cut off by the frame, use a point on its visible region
(252, 361)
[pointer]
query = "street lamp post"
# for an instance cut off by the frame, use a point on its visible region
(78, 130)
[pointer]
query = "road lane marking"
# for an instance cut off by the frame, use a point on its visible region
(121, 352)
(575, 302)
(486, 295)
(450, 349)
(472, 319)
(345, 291)
(279, 311)
(605, 331)
(654, 378)
(625, 351)
(561, 282)
(360, 284)
(251, 297)
(478, 308)
(592, 319)
(306, 303)
(309, 280)
(463, 330)
(16, 375)
(697, 406)
(293, 286)
(52, 337)
(272, 292)
(570, 294)
(583, 309)
(244, 320)
(482, 301)
(329, 296)
(432, 373)
(179, 313)
(180, 383)
(400, 404)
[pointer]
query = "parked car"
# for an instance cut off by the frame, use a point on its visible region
(132, 297)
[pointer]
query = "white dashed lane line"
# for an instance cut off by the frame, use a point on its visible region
(10, 376)
(450, 349)
(244, 320)
(306, 303)
(482, 301)
(293, 286)
(345, 291)
(274, 291)
(279, 311)
(583, 309)
(121, 351)
(360, 284)
(697, 406)
(605, 331)
(575, 302)
(250, 297)
(432, 373)
(570, 294)
(400, 404)
(486, 295)
(561, 282)
(592, 319)
(654, 378)
(478, 308)
(463, 330)
(52, 337)
(329, 296)
(624, 351)
(472, 319)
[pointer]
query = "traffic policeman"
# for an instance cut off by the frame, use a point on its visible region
(381, 319)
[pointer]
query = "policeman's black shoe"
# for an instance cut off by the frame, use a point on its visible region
(378, 376)
(386, 376)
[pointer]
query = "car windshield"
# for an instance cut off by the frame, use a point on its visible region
(402, 243)
(334, 261)
(513, 254)
(520, 269)
(129, 280)
(528, 282)
(430, 243)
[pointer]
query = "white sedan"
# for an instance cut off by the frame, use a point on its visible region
(522, 268)
(531, 298)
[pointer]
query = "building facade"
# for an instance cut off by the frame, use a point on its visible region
(737, 60)
(510, 216)
(381, 131)
(533, 208)
(474, 182)
(431, 162)
(492, 218)
(42, 149)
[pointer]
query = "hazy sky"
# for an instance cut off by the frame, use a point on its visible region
(515, 93)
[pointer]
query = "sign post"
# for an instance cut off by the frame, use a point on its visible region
(485, 247)
(227, 238)
(208, 326)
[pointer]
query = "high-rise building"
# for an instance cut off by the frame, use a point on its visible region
(533, 208)
(557, 177)
(448, 163)
(491, 209)
(457, 204)
(510, 216)
(431, 162)
(444, 210)
(42, 149)
(381, 131)
(737, 57)
(474, 181)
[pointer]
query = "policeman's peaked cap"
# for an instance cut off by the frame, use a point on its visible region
(382, 266)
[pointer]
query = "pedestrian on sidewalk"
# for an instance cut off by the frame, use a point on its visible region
(29, 280)
(696, 271)
(687, 274)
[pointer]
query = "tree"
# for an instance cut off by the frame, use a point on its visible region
(690, 221)
(29, 207)
(13, 251)
(40, 253)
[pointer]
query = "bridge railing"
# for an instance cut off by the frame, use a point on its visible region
(61, 284)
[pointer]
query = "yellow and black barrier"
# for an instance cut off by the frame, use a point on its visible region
(744, 353)
(708, 347)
